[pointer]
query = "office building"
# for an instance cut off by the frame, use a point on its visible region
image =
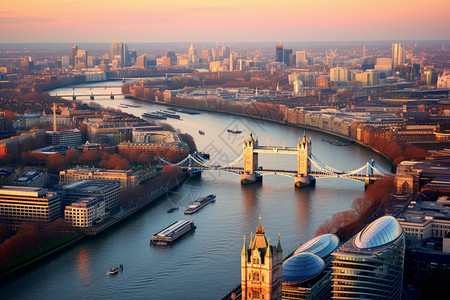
(398, 56)
(140, 61)
(287, 57)
(128, 178)
(279, 53)
(119, 52)
(86, 212)
(370, 265)
(102, 189)
(32, 178)
(70, 137)
(19, 204)
(339, 74)
(73, 53)
(300, 59)
(261, 267)
(81, 59)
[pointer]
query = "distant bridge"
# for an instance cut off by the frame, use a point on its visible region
(91, 95)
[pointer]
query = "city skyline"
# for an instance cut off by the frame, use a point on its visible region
(234, 21)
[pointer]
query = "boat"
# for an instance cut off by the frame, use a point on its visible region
(201, 132)
(181, 110)
(172, 232)
(132, 105)
(235, 131)
(153, 115)
(168, 114)
(199, 203)
(123, 105)
(115, 270)
(171, 210)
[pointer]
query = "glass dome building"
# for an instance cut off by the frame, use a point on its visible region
(321, 245)
(307, 274)
(370, 265)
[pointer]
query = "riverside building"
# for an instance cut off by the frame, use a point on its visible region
(20, 204)
(85, 212)
(370, 265)
(107, 190)
(128, 178)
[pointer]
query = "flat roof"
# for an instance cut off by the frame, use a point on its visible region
(22, 191)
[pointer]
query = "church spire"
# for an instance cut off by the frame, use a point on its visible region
(279, 249)
(260, 229)
(244, 252)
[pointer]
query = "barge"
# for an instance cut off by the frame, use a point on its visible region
(153, 115)
(199, 203)
(173, 232)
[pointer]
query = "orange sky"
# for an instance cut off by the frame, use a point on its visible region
(229, 20)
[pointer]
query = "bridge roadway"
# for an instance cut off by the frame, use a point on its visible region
(278, 150)
(89, 95)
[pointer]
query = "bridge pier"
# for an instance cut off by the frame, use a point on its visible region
(250, 178)
(368, 181)
(111, 96)
(92, 96)
(304, 181)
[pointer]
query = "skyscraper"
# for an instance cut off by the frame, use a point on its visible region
(120, 52)
(370, 265)
(300, 58)
(398, 55)
(287, 56)
(72, 55)
(279, 55)
(261, 267)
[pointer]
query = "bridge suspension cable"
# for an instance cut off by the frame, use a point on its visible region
(324, 165)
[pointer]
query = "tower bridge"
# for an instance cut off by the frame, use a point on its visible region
(309, 168)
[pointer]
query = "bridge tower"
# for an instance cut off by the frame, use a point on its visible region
(369, 174)
(250, 162)
(303, 179)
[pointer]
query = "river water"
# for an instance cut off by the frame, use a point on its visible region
(204, 264)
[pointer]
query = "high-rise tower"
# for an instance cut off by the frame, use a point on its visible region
(279, 53)
(73, 53)
(261, 267)
(370, 265)
(120, 52)
(398, 55)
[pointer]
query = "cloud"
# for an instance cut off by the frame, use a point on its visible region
(25, 20)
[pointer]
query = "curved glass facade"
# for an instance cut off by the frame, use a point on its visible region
(302, 267)
(321, 245)
(378, 233)
(366, 272)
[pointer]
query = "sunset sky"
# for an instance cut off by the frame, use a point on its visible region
(228, 21)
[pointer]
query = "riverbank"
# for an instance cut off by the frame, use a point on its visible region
(54, 250)
(92, 232)
(303, 126)
(123, 215)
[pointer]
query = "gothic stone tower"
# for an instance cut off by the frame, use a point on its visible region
(304, 148)
(261, 267)
(250, 161)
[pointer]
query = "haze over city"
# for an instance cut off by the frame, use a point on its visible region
(230, 21)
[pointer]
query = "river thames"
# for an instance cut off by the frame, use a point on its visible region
(204, 264)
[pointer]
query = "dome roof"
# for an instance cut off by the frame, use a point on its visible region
(321, 245)
(380, 232)
(301, 267)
